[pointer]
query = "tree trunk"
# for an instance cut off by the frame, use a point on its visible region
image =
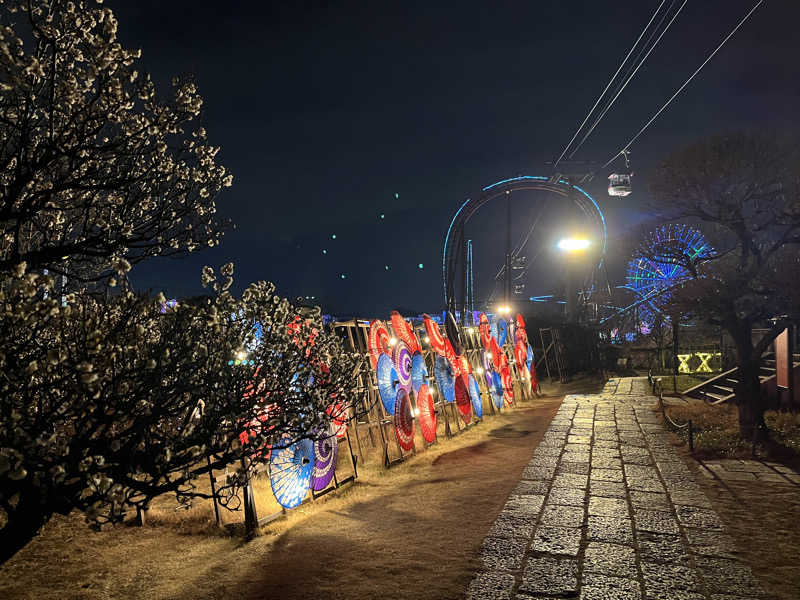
(24, 522)
(748, 386)
(748, 399)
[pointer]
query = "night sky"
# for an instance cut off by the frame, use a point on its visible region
(331, 114)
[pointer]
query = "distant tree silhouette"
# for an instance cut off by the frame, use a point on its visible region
(743, 190)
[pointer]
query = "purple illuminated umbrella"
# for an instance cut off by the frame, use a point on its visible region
(401, 356)
(326, 450)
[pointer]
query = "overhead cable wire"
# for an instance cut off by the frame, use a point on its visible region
(680, 89)
(631, 76)
(610, 81)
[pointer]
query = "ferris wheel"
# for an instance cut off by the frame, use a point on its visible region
(662, 265)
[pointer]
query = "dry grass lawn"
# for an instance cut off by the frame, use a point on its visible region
(412, 531)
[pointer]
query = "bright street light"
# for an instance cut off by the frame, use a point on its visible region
(573, 244)
(504, 310)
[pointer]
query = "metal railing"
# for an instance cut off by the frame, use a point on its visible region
(658, 392)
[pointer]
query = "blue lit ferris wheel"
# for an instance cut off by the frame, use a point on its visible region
(662, 265)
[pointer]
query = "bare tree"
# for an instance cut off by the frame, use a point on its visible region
(743, 191)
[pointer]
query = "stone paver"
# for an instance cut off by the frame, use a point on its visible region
(607, 510)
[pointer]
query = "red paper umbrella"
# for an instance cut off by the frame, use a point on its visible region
(521, 355)
(378, 341)
(508, 387)
(339, 418)
(426, 413)
(534, 379)
(486, 330)
(497, 354)
(404, 420)
(520, 322)
(435, 335)
(404, 332)
(450, 355)
(463, 399)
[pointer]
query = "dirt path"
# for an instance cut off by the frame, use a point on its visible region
(410, 532)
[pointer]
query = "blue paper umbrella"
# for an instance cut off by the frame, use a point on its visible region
(475, 395)
(444, 378)
(497, 389)
(290, 471)
(502, 331)
(387, 382)
(529, 361)
(418, 371)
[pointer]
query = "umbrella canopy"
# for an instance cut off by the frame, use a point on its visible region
(502, 332)
(326, 452)
(529, 358)
(418, 372)
(475, 396)
(378, 341)
(497, 354)
(497, 389)
(451, 327)
(521, 355)
(508, 387)
(290, 471)
(401, 357)
(387, 382)
(426, 414)
(520, 322)
(485, 329)
(404, 332)
(443, 373)
(404, 420)
(337, 412)
(435, 335)
(463, 400)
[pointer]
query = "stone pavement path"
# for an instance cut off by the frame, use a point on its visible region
(607, 510)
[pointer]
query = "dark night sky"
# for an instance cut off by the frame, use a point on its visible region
(325, 111)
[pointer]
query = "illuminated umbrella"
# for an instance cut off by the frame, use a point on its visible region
(485, 329)
(401, 357)
(426, 413)
(487, 368)
(508, 386)
(326, 451)
(378, 341)
(337, 412)
(404, 420)
(520, 322)
(443, 373)
(529, 358)
(521, 355)
(404, 331)
(463, 400)
(435, 335)
(475, 396)
(418, 372)
(502, 332)
(497, 389)
(497, 354)
(387, 382)
(290, 471)
(451, 327)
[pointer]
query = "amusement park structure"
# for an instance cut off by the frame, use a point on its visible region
(457, 281)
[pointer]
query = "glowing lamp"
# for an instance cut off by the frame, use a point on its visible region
(392, 341)
(479, 370)
(488, 355)
(573, 244)
(427, 340)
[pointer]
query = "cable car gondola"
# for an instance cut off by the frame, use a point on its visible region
(619, 184)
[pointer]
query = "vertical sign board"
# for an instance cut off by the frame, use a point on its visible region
(783, 360)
